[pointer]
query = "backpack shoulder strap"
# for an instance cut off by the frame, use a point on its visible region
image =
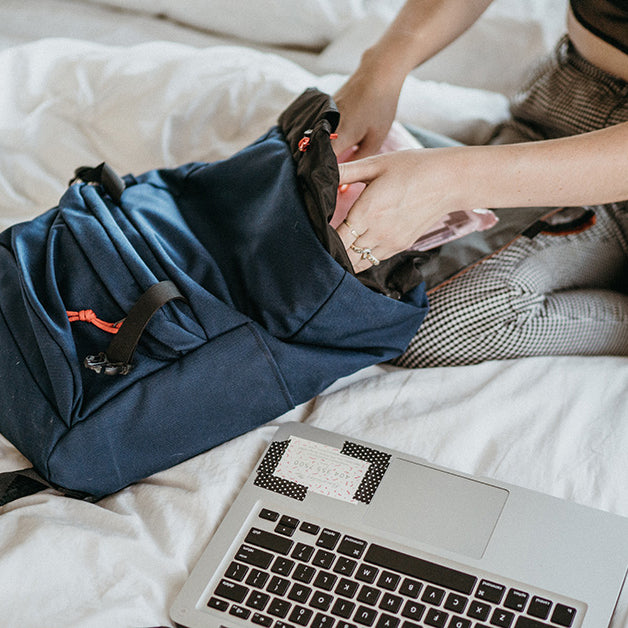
(24, 482)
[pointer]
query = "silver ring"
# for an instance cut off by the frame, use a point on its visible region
(364, 253)
(352, 231)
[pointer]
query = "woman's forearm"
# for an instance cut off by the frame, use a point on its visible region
(586, 169)
(421, 29)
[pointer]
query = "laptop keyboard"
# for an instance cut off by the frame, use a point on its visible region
(290, 573)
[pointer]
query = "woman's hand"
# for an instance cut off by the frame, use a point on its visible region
(367, 109)
(407, 192)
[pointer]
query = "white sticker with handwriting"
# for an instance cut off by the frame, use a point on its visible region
(323, 469)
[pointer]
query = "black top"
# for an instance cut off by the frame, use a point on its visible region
(608, 19)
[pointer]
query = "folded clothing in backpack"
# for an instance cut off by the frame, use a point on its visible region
(261, 309)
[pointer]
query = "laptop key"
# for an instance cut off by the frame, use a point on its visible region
(369, 595)
(231, 591)
(257, 578)
(539, 607)
(269, 541)
(301, 615)
(258, 600)
(350, 546)
(323, 621)
(304, 573)
(289, 522)
(325, 580)
(516, 600)
(236, 571)
(391, 603)
(282, 566)
(285, 530)
(456, 603)
(388, 580)
(269, 515)
(321, 600)
(309, 528)
(302, 552)
(490, 591)
(345, 566)
(528, 622)
(387, 621)
(365, 615)
(346, 588)
(436, 618)
(413, 610)
(367, 573)
(219, 605)
(479, 610)
(328, 539)
(502, 619)
(343, 608)
(432, 595)
(563, 615)
(410, 588)
(254, 556)
(299, 593)
(262, 620)
(461, 622)
(324, 559)
(239, 611)
(420, 568)
(278, 586)
(279, 608)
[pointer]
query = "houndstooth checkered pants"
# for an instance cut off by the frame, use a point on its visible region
(547, 295)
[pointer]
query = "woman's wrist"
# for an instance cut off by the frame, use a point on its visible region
(384, 67)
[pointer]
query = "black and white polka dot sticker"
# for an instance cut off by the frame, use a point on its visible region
(281, 486)
(379, 463)
(270, 482)
(270, 461)
(267, 479)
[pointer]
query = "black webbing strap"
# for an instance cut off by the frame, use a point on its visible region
(105, 175)
(24, 482)
(116, 360)
(16, 484)
(577, 221)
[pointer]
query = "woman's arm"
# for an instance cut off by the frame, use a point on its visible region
(409, 190)
(368, 101)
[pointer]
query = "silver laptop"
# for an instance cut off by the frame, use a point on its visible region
(333, 532)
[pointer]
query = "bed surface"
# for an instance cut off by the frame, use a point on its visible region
(144, 84)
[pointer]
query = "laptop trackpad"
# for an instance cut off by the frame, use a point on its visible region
(436, 507)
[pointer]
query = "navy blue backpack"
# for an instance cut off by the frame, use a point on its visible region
(147, 319)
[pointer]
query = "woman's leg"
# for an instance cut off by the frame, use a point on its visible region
(552, 295)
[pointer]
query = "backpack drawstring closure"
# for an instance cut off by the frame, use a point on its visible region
(89, 316)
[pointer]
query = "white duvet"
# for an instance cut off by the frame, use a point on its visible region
(558, 425)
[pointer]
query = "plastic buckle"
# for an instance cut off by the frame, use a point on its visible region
(102, 365)
(304, 142)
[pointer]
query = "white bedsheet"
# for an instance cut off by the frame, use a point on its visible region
(83, 83)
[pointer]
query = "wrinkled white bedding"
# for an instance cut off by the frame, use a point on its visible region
(82, 83)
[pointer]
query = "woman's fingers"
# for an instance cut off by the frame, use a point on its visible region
(360, 171)
(360, 242)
